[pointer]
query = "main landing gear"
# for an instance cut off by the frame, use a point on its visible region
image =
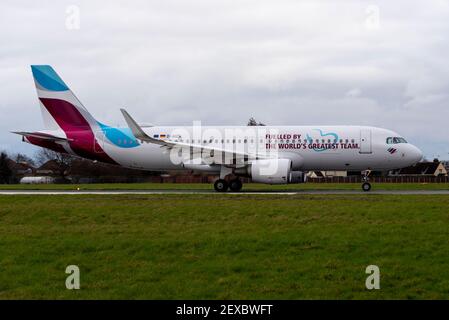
(228, 180)
(235, 185)
(366, 186)
(221, 185)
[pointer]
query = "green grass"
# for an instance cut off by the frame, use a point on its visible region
(207, 186)
(220, 247)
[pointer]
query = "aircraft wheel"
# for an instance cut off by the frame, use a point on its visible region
(366, 186)
(221, 185)
(235, 185)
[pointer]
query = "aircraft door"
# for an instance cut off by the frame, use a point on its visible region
(365, 141)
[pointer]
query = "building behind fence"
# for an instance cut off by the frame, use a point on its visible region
(85, 171)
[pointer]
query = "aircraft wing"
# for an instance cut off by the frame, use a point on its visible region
(41, 136)
(142, 136)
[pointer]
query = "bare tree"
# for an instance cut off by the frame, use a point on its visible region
(5, 170)
(252, 122)
(63, 160)
(20, 157)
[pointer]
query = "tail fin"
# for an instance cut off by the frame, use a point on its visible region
(59, 105)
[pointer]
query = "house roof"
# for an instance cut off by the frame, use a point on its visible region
(319, 174)
(420, 168)
(50, 165)
(18, 165)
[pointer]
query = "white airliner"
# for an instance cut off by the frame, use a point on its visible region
(266, 154)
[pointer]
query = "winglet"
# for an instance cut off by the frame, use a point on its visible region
(137, 130)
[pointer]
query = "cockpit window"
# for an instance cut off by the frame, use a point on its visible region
(394, 140)
(399, 140)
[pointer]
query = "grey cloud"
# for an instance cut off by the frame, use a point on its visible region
(283, 62)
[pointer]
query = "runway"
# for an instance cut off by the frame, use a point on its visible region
(212, 192)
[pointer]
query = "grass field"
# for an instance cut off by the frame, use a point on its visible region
(207, 186)
(218, 247)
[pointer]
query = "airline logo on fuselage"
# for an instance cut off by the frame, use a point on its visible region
(324, 146)
(311, 142)
(392, 150)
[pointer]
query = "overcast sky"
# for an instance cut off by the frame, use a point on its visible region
(380, 63)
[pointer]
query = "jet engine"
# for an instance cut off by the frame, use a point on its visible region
(275, 171)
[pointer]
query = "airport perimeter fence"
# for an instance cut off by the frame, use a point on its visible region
(394, 179)
(349, 179)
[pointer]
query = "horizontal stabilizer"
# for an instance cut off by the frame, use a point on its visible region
(41, 136)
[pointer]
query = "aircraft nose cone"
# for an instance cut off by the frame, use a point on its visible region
(415, 154)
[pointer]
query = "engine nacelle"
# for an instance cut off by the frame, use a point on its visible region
(271, 171)
(276, 171)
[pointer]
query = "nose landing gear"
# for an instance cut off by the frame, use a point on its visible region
(366, 186)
